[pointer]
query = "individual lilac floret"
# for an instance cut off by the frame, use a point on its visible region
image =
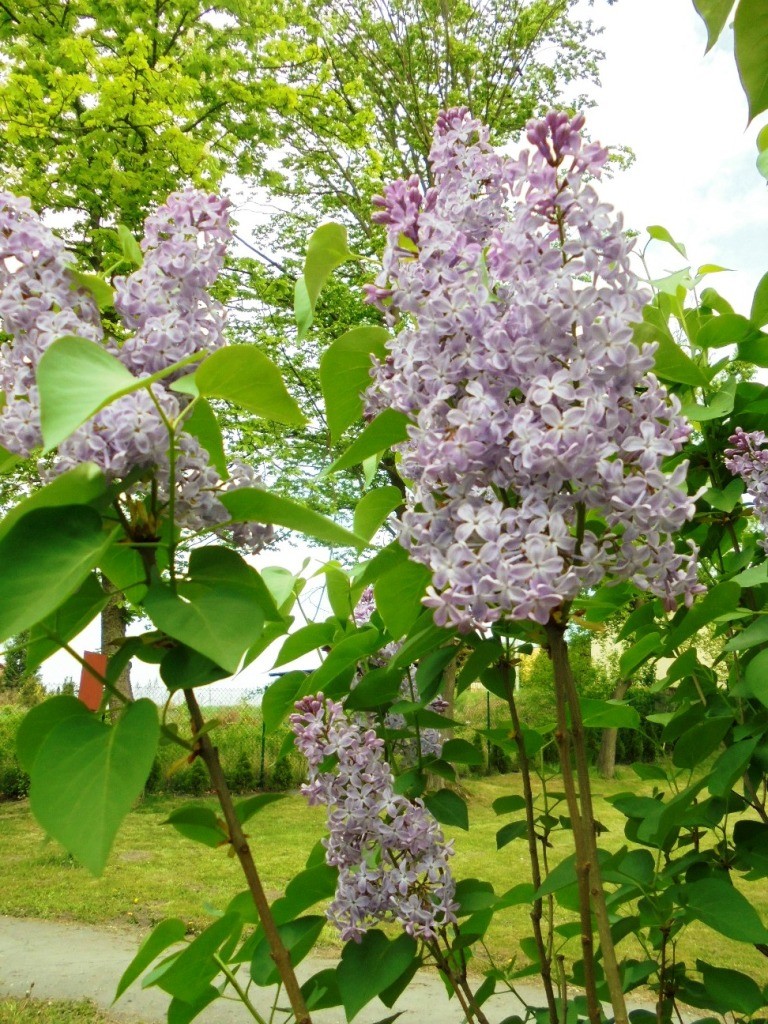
(749, 459)
(390, 852)
(538, 431)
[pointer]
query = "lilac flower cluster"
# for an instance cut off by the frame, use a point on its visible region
(538, 430)
(390, 852)
(749, 459)
(168, 313)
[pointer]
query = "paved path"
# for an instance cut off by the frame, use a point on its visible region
(72, 961)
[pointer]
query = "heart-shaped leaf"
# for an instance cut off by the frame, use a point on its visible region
(244, 375)
(86, 776)
(45, 557)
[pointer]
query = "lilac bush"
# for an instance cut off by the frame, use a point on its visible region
(390, 851)
(166, 314)
(538, 431)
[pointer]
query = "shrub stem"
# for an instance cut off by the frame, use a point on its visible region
(279, 953)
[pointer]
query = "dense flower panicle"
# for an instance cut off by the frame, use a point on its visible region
(166, 301)
(535, 417)
(390, 852)
(167, 307)
(749, 459)
(39, 302)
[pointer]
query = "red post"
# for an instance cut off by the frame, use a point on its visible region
(91, 689)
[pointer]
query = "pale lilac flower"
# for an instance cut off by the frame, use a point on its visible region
(531, 407)
(749, 459)
(390, 852)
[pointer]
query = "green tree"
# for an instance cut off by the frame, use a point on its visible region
(106, 107)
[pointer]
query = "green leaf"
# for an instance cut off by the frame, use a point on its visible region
(608, 714)
(461, 752)
(244, 375)
(344, 656)
(730, 766)
(251, 504)
(373, 508)
(200, 824)
(182, 668)
(398, 597)
(246, 809)
(486, 653)
(129, 247)
(508, 833)
(750, 31)
(698, 742)
(754, 576)
(726, 500)
(86, 776)
(309, 638)
(759, 312)
(166, 934)
(184, 1011)
(671, 363)
(637, 654)
(45, 558)
(389, 427)
(754, 349)
(675, 284)
(508, 804)
(338, 590)
(327, 250)
(717, 904)
(103, 293)
(8, 460)
(345, 373)
(730, 329)
(220, 621)
(756, 678)
(40, 721)
(203, 425)
(78, 486)
(714, 14)
(662, 235)
(304, 890)
(762, 163)
(297, 936)
(76, 378)
(69, 619)
(188, 976)
(377, 687)
(369, 967)
(720, 600)
(279, 698)
(733, 991)
(755, 633)
(448, 808)
(561, 875)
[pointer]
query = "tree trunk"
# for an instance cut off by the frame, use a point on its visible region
(606, 759)
(112, 636)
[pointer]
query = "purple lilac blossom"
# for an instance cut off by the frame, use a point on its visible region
(169, 314)
(749, 459)
(390, 852)
(538, 430)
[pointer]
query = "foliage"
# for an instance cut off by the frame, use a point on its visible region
(515, 539)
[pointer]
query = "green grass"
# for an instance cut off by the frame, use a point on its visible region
(39, 1011)
(155, 873)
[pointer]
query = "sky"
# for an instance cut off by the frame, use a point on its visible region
(685, 117)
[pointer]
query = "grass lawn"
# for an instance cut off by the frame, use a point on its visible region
(46, 1011)
(154, 873)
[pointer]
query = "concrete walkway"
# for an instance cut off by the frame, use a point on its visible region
(53, 960)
